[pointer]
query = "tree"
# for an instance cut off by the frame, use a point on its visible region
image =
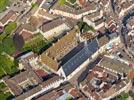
(3, 4)
(10, 27)
(69, 98)
(84, 27)
(62, 2)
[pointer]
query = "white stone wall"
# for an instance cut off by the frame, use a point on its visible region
(55, 31)
(91, 23)
(71, 15)
(44, 89)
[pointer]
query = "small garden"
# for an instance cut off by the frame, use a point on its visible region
(6, 39)
(69, 98)
(4, 95)
(7, 64)
(124, 96)
(34, 5)
(10, 27)
(3, 4)
(37, 44)
(2, 85)
(62, 2)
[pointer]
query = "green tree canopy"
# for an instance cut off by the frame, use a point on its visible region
(3, 4)
(10, 27)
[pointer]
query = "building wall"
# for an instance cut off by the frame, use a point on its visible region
(55, 31)
(86, 13)
(71, 15)
(95, 55)
(123, 11)
(99, 26)
(91, 23)
(79, 68)
(44, 89)
(66, 14)
(131, 32)
(60, 72)
(86, 93)
(128, 86)
(12, 19)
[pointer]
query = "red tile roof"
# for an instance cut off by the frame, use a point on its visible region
(11, 15)
(82, 2)
(74, 92)
(41, 73)
(113, 28)
(26, 35)
(131, 74)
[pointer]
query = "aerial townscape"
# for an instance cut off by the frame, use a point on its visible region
(66, 49)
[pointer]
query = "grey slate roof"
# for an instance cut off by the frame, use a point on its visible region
(80, 57)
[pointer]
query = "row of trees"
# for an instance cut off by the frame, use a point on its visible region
(7, 48)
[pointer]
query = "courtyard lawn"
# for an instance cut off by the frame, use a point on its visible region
(1, 72)
(62, 2)
(7, 48)
(34, 5)
(2, 36)
(10, 27)
(3, 4)
(7, 66)
(2, 85)
(122, 96)
(8, 45)
(6, 39)
(36, 44)
(4, 96)
(69, 98)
